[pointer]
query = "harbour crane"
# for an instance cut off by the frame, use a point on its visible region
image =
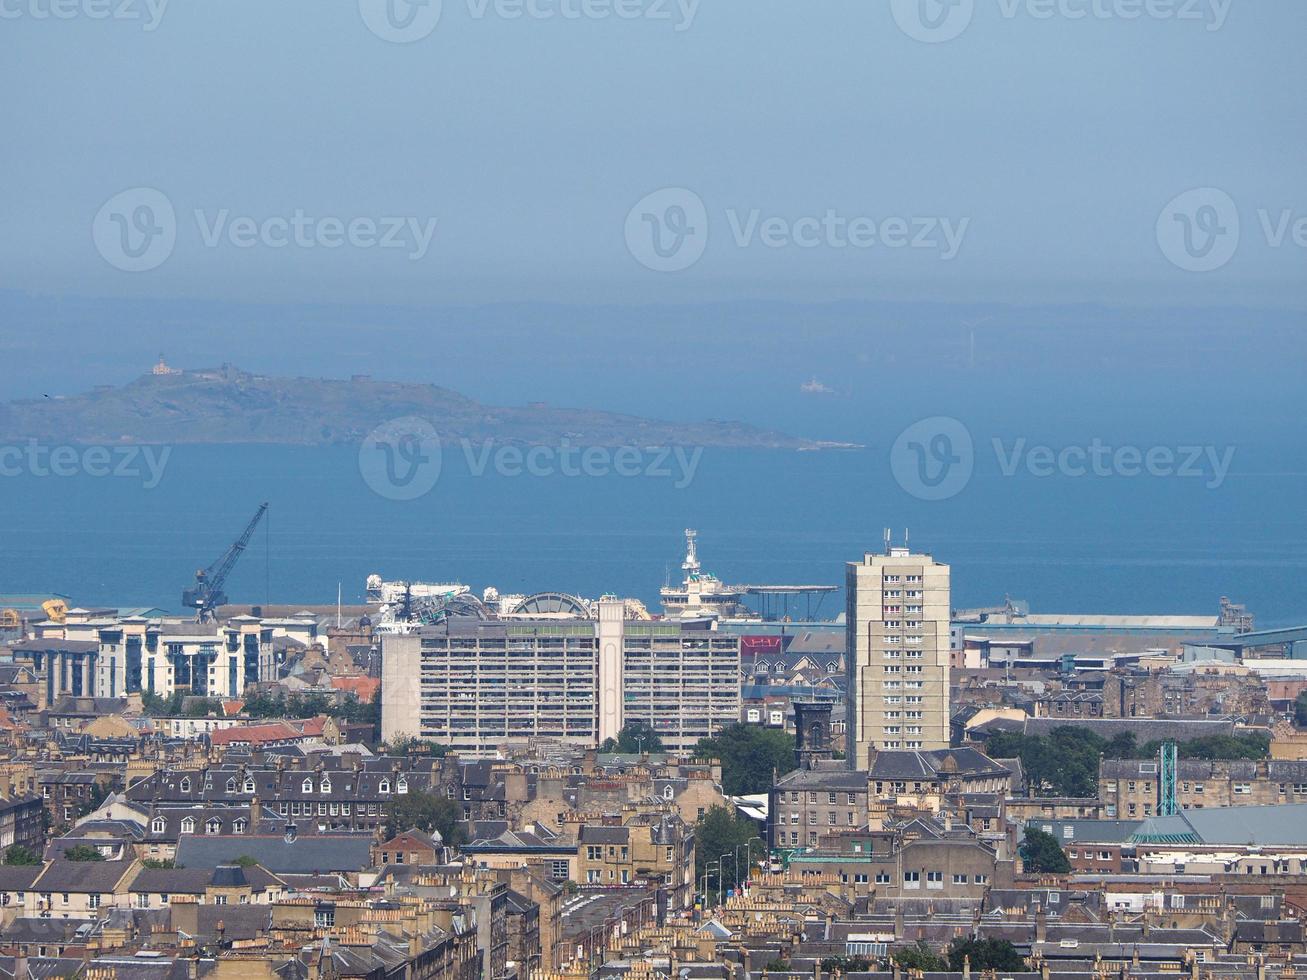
(207, 595)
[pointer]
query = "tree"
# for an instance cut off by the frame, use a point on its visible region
(425, 812)
(635, 736)
(985, 954)
(920, 957)
(720, 831)
(243, 860)
(158, 864)
(749, 755)
(1121, 746)
(18, 854)
(1042, 853)
(83, 852)
(407, 746)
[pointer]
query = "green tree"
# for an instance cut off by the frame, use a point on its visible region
(18, 854)
(919, 957)
(636, 736)
(1042, 853)
(985, 954)
(425, 812)
(749, 755)
(1121, 746)
(407, 746)
(243, 860)
(83, 852)
(719, 831)
(158, 864)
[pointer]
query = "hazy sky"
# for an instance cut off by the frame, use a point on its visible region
(836, 148)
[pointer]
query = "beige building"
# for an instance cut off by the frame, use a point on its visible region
(898, 654)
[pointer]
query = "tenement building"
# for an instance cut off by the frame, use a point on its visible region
(477, 685)
(898, 654)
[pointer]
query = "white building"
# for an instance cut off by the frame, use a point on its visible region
(476, 685)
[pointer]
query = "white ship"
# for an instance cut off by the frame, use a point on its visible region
(702, 593)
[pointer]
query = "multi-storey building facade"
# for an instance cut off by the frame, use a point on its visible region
(476, 685)
(97, 654)
(898, 654)
(1128, 788)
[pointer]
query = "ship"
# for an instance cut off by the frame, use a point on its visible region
(702, 593)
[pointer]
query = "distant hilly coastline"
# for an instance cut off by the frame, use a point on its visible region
(228, 405)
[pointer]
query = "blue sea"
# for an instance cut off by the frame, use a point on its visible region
(1118, 542)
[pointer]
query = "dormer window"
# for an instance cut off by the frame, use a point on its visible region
(307, 786)
(384, 786)
(249, 785)
(325, 786)
(188, 825)
(668, 792)
(158, 825)
(402, 785)
(231, 785)
(238, 826)
(185, 785)
(213, 826)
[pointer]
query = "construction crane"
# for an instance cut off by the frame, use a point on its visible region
(207, 595)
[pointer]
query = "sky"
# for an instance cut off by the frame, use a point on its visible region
(1036, 225)
(369, 152)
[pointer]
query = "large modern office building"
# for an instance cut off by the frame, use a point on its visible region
(476, 685)
(897, 654)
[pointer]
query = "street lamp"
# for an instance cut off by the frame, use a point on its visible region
(719, 874)
(748, 853)
(706, 866)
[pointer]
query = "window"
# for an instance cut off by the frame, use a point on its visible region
(307, 786)
(558, 869)
(238, 826)
(185, 785)
(188, 825)
(249, 785)
(384, 787)
(912, 879)
(959, 879)
(883, 877)
(981, 879)
(213, 826)
(402, 785)
(158, 825)
(324, 917)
